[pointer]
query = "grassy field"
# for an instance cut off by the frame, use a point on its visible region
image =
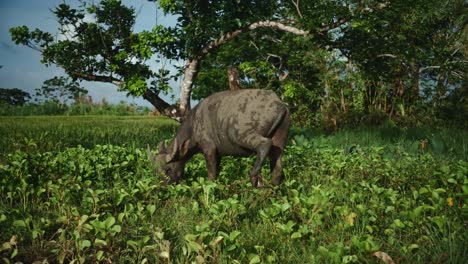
(81, 189)
(60, 132)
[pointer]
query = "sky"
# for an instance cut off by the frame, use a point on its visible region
(21, 65)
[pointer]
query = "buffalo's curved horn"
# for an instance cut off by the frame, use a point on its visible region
(150, 154)
(161, 147)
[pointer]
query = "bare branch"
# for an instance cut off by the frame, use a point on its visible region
(296, 4)
(278, 25)
(398, 58)
(261, 24)
(34, 47)
(388, 55)
(428, 68)
(97, 78)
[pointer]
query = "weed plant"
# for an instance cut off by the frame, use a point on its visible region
(85, 192)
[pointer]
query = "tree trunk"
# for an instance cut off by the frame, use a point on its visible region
(414, 93)
(233, 76)
(441, 89)
(343, 101)
(162, 106)
(190, 74)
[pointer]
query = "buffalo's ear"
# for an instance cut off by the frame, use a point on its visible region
(161, 147)
(177, 150)
(149, 153)
(172, 150)
(184, 148)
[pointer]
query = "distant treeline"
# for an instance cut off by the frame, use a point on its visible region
(77, 108)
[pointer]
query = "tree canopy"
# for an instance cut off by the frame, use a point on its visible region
(13, 96)
(336, 56)
(60, 90)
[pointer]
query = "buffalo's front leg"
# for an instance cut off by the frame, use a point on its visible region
(212, 159)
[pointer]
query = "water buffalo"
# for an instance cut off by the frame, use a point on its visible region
(236, 123)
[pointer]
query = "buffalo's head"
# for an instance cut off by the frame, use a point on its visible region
(170, 161)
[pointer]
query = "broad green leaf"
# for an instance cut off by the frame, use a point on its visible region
(398, 223)
(110, 221)
(296, 235)
(99, 242)
(84, 244)
(99, 254)
(19, 223)
(254, 258)
(234, 234)
(116, 228)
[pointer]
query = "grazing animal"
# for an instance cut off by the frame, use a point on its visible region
(235, 123)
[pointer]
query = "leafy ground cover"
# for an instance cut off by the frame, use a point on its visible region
(341, 203)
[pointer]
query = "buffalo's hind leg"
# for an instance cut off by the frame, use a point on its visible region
(278, 143)
(262, 146)
(275, 165)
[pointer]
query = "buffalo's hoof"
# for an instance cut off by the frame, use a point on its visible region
(257, 181)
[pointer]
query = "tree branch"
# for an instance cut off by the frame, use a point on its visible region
(261, 24)
(193, 64)
(34, 47)
(428, 68)
(296, 4)
(97, 78)
(162, 106)
(388, 55)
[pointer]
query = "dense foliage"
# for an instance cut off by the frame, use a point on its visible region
(13, 96)
(343, 59)
(339, 204)
(60, 90)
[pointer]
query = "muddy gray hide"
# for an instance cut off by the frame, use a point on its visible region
(237, 123)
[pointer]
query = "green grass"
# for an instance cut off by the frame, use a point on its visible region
(87, 108)
(61, 132)
(441, 141)
(345, 197)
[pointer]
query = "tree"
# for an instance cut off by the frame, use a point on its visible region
(60, 90)
(103, 50)
(310, 52)
(13, 96)
(106, 50)
(405, 49)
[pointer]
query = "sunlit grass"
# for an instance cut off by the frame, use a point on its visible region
(60, 132)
